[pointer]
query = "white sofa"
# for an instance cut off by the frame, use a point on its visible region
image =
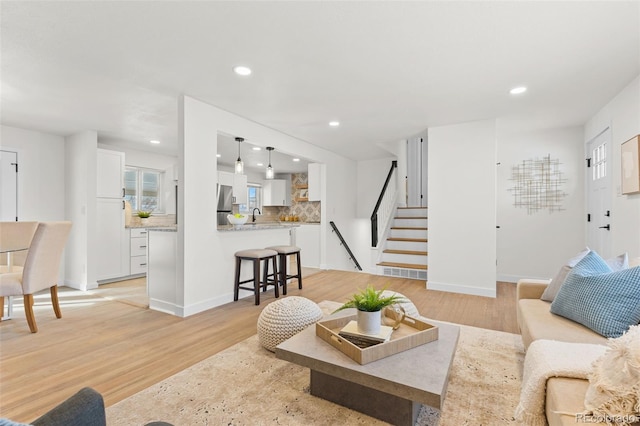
(537, 322)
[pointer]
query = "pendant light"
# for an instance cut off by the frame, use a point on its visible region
(269, 168)
(239, 163)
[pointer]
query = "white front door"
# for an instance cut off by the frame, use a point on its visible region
(599, 194)
(8, 186)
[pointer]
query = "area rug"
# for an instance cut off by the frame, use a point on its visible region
(247, 385)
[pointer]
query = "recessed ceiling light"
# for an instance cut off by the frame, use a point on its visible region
(218, 155)
(154, 142)
(518, 90)
(242, 70)
(256, 148)
(334, 123)
(296, 159)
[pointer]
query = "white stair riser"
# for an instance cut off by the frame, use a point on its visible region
(401, 272)
(413, 223)
(404, 258)
(406, 245)
(408, 233)
(412, 212)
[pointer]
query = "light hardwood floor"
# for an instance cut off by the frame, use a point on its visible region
(119, 348)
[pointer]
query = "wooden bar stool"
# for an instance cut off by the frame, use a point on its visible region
(283, 253)
(255, 255)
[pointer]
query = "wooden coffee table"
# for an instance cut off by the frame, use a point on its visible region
(390, 389)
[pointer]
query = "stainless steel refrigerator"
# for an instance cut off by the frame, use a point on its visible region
(225, 201)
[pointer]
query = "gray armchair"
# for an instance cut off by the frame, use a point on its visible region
(85, 408)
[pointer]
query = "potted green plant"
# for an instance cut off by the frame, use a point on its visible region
(369, 304)
(142, 214)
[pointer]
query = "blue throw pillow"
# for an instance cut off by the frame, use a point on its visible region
(606, 302)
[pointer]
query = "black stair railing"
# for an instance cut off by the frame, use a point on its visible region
(345, 245)
(374, 215)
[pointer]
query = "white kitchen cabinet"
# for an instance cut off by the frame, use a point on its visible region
(138, 251)
(225, 178)
(110, 174)
(240, 189)
(112, 245)
(238, 183)
(276, 192)
(315, 181)
(112, 240)
(308, 239)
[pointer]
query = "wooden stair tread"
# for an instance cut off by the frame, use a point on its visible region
(419, 253)
(412, 240)
(411, 217)
(403, 265)
(410, 227)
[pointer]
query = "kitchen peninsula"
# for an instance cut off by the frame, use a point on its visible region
(162, 276)
(257, 226)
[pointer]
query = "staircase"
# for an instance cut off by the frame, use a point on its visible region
(405, 252)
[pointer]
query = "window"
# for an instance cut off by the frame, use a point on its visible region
(143, 189)
(599, 165)
(254, 198)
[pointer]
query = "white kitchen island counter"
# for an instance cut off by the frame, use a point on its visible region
(258, 226)
(162, 249)
(167, 288)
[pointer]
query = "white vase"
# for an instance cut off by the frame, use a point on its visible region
(369, 322)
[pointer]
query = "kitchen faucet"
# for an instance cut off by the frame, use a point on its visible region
(254, 214)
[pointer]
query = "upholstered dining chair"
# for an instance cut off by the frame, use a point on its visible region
(15, 234)
(41, 268)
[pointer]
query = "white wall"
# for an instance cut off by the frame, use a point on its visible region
(622, 115)
(462, 210)
(205, 260)
(80, 197)
(547, 237)
(41, 163)
(371, 176)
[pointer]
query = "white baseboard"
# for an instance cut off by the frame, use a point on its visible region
(455, 288)
(166, 307)
(81, 286)
(205, 305)
(515, 278)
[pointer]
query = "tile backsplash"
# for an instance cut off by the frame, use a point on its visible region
(307, 211)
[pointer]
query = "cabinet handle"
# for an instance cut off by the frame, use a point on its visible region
(122, 204)
(143, 264)
(122, 192)
(143, 246)
(143, 232)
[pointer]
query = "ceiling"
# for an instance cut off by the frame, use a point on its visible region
(256, 158)
(386, 70)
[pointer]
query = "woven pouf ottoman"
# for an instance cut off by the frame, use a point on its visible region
(285, 318)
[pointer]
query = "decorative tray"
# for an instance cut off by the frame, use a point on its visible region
(412, 332)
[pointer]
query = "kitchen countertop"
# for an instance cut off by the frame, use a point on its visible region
(150, 226)
(173, 228)
(259, 226)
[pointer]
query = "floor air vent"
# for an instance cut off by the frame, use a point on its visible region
(405, 273)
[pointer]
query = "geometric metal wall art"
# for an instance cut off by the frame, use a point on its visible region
(538, 185)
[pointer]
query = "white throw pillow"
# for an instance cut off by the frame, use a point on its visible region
(617, 263)
(614, 383)
(554, 286)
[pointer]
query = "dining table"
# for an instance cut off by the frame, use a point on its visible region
(9, 248)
